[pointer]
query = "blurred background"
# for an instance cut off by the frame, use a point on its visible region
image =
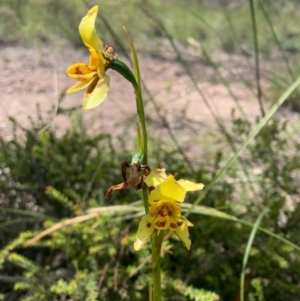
(211, 70)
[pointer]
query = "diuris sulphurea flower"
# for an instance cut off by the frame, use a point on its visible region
(165, 211)
(91, 76)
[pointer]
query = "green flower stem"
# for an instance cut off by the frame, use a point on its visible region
(141, 114)
(158, 238)
(140, 111)
(156, 248)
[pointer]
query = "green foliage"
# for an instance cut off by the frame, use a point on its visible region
(94, 260)
(192, 293)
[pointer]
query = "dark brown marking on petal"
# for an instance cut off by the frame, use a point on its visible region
(173, 225)
(179, 224)
(160, 224)
(77, 70)
(148, 225)
(92, 85)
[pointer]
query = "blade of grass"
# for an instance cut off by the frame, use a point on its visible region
(19, 221)
(26, 213)
(257, 68)
(253, 133)
(247, 251)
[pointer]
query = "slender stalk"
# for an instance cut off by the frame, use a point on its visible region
(248, 249)
(257, 69)
(155, 290)
(141, 114)
(156, 247)
(140, 111)
(138, 95)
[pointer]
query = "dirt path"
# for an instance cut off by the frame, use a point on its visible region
(33, 76)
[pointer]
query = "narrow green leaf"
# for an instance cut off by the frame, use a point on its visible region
(19, 221)
(26, 213)
(248, 249)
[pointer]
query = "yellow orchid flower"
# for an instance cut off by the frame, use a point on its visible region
(165, 212)
(92, 75)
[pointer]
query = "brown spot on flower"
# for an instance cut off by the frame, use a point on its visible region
(179, 224)
(160, 224)
(148, 224)
(77, 70)
(173, 225)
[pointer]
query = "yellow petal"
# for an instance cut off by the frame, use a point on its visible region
(77, 87)
(97, 61)
(81, 71)
(190, 186)
(168, 189)
(183, 233)
(88, 32)
(94, 57)
(155, 177)
(101, 66)
(96, 92)
(145, 231)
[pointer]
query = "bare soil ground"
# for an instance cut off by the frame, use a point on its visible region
(37, 76)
